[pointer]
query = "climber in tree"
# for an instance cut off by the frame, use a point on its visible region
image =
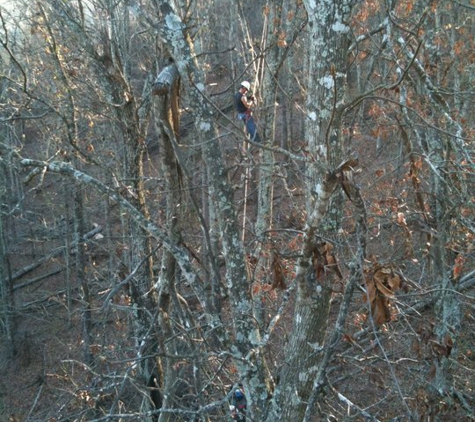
(244, 101)
(238, 404)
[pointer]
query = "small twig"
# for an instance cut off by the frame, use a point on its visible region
(35, 402)
(207, 53)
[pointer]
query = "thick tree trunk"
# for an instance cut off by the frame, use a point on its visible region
(246, 334)
(7, 301)
(266, 163)
(166, 87)
(309, 323)
(328, 36)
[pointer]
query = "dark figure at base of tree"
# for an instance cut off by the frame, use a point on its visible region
(155, 395)
(238, 405)
(243, 102)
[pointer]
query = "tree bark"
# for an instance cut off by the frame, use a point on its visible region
(328, 38)
(246, 333)
(6, 282)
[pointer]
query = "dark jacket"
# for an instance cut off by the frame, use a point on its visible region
(239, 402)
(240, 107)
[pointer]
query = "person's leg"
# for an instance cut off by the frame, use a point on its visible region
(252, 129)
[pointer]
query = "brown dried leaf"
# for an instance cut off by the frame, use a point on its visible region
(330, 261)
(439, 349)
(318, 263)
(449, 344)
(380, 311)
(256, 288)
(348, 339)
(370, 291)
(385, 291)
(395, 282)
(278, 273)
(458, 266)
(387, 282)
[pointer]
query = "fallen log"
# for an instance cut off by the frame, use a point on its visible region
(54, 253)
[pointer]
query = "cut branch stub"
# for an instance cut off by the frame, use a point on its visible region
(345, 173)
(165, 80)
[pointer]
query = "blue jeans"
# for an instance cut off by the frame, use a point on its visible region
(250, 124)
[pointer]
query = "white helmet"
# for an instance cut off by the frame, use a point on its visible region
(246, 85)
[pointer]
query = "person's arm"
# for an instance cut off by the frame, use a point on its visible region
(248, 103)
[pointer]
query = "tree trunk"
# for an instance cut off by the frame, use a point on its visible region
(328, 38)
(246, 333)
(166, 87)
(80, 224)
(7, 310)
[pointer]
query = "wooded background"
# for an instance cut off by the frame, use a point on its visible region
(152, 258)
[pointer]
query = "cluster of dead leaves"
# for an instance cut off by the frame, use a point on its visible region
(324, 261)
(381, 284)
(324, 264)
(277, 274)
(278, 279)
